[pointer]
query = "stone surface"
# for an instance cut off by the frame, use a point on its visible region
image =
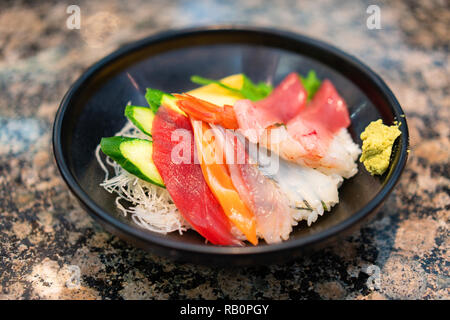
(48, 242)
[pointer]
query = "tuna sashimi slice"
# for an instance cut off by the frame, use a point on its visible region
(286, 100)
(185, 182)
(327, 108)
(314, 127)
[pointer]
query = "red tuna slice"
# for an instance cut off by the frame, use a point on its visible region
(185, 182)
(328, 108)
(315, 126)
(286, 100)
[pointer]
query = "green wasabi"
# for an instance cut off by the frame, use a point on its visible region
(377, 146)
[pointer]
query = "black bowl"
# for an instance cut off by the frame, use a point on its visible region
(94, 105)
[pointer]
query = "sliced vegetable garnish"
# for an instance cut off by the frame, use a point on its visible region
(205, 81)
(134, 155)
(185, 182)
(249, 89)
(311, 83)
(141, 117)
(254, 91)
(218, 95)
(324, 205)
(156, 98)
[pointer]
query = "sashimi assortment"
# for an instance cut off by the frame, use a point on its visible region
(238, 162)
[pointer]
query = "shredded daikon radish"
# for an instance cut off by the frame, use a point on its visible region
(150, 206)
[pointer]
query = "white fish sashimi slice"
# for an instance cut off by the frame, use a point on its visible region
(271, 207)
(305, 184)
(308, 190)
(262, 196)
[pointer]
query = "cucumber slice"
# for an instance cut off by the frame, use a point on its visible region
(134, 155)
(142, 117)
(156, 98)
(171, 102)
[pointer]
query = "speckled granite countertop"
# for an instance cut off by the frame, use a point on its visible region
(46, 239)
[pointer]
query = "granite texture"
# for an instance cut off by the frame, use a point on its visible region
(46, 239)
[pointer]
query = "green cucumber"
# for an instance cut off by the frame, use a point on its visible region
(134, 155)
(142, 117)
(156, 98)
(171, 102)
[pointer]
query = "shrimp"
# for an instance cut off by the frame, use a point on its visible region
(206, 111)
